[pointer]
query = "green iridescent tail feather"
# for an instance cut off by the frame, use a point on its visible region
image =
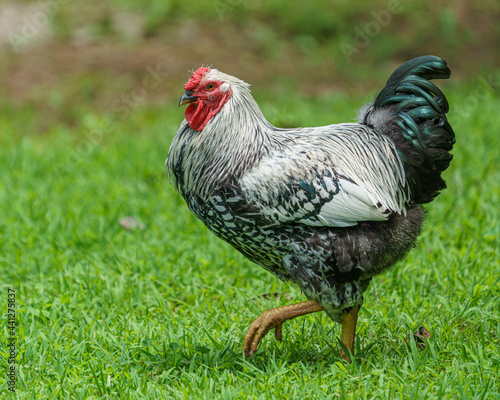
(411, 110)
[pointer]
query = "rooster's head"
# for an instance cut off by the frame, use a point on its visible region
(206, 92)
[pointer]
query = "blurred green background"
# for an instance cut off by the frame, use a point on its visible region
(63, 58)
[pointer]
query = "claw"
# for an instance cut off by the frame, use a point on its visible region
(278, 332)
(274, 318)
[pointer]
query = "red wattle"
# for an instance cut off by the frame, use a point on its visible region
(197, 115)
(200, 113)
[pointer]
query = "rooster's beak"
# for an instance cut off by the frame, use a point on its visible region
(187, 98)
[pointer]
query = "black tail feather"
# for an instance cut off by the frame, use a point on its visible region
(411, 110)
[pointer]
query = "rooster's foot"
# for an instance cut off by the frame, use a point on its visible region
(274, 318)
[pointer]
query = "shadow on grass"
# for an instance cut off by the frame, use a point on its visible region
(229, 356)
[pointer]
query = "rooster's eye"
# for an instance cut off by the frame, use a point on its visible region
(210, 86)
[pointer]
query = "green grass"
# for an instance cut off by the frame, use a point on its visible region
(161, 312)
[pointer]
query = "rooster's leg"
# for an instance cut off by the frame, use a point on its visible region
(274, 318)
(349, 332)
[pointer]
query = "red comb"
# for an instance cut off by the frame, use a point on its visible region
(196, 78)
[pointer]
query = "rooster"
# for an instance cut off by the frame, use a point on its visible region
(328, 207)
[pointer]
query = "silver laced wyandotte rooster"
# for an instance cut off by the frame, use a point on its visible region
(327, 207)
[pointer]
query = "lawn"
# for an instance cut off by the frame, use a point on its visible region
(157, 308)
